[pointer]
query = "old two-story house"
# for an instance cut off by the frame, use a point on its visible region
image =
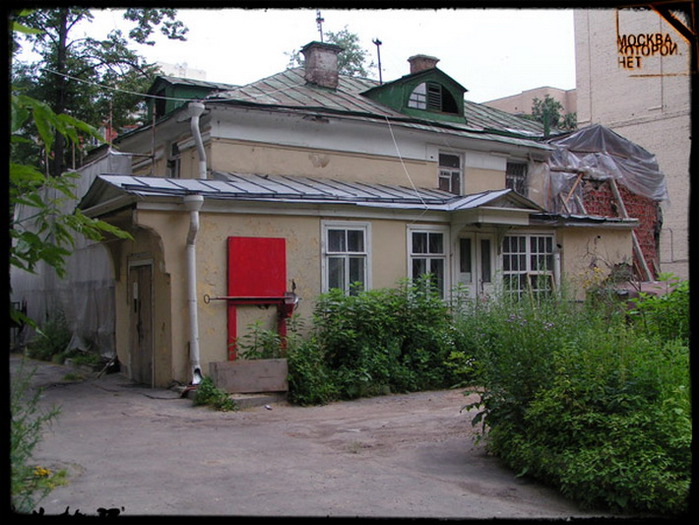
(247, 204)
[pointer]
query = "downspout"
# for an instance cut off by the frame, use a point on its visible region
(193, 204)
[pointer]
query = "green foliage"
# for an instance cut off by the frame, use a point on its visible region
(352, 60)
(579, 399)
(667, 315)
(208, 394)
(549, 112)
(373, 343)
(89, 78)
(52, 339)
(29, 483)
(260, 343)
(46, 233)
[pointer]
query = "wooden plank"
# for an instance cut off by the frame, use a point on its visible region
(250, 376)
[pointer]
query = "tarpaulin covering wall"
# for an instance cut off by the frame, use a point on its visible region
(85, 296)
(601, 154)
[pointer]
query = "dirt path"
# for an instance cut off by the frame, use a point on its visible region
(151, 452)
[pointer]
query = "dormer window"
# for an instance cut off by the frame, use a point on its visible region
(432, 96)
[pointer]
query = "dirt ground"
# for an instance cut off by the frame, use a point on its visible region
(150, 452)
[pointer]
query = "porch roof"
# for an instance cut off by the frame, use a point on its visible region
(120, 190)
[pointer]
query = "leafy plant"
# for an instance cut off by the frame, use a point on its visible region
(666, 315)
(260, 343)
(208, 394)
(374, 342)
(576, 398)
(53, 338)
(29, 483)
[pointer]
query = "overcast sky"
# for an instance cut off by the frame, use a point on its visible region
(492, 52)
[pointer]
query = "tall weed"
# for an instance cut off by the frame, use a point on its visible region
(577, 397)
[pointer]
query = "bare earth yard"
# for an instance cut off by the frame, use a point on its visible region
(151, 452)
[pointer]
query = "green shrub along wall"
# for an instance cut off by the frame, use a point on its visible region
(374, 342)
(593, 399)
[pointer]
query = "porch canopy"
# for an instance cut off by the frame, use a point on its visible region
(109, 193)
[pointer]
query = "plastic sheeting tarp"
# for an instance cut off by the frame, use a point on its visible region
(601, 154)
(85, 296)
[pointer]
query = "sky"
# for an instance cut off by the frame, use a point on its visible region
(493, 53)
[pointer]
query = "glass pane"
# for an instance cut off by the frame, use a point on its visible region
(419, 267)
(355, 240)
(437, 271)
(465, 256)
(419, 242)
(336, 241)
(456, 182)
(436, 244)
(356, 270)
(485, 260)
(449, 161)
(336, 273)
(444, 183)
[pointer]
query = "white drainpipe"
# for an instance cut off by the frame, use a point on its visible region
(193, 204)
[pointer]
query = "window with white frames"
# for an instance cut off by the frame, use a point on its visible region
(427, 253)
(527, 265)
(450, 173)
(345, 256)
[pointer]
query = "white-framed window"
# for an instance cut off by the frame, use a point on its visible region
(345, 256)
(527, 265)
(427, 255)
(516, 176)
(450, 173)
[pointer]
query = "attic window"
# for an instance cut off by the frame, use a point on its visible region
(433, 97)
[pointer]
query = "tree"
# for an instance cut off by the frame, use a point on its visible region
(352, 60)
(550, 113)
(48, 233)
(70, 70)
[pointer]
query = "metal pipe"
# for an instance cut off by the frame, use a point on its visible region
(196, 109)
(193, 204)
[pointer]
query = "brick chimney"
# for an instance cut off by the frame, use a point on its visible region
(321, 64)
(421, 63)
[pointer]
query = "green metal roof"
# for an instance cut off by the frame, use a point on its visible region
(289, 90)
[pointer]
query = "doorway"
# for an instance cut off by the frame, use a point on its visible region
(476, 263)
(141, 367)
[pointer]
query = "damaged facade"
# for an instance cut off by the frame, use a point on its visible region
(246, 205)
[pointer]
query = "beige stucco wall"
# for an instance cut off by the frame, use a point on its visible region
(584, 248)
(161, 238)
(235, 156)
(478, 180)
(168, 251)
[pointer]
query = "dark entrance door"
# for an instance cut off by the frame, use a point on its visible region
(141, 323)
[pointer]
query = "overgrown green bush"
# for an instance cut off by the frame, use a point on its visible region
(374, 342)
(666, 315)
(29, 482)
(575, 397)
